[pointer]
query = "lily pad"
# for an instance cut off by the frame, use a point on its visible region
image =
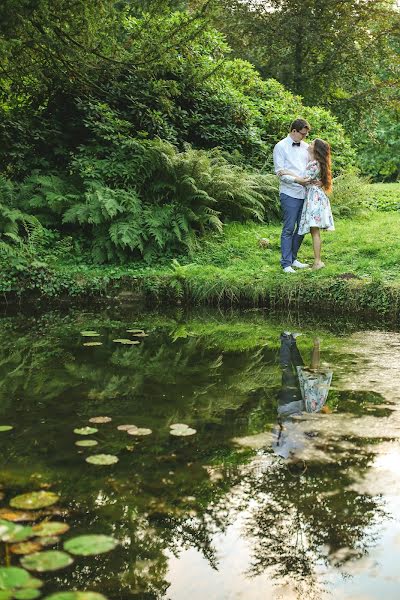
(28, 594)
(139, 431)
(89, 545)
(102, 459)
(50, 540)
(16, 516)
(26, 547)
(51, 560)
(100, 420)
(92, 344)
(85, 430)
(34, 500)
(86, 443)
(126, 342)
(50, 528)
(141, 334)
(183, 431)
(179, 426)
(11, 532)
(6, 427)
(90, 334)
(135, 331)
(126, 427)
(13, 578)
(76, 596)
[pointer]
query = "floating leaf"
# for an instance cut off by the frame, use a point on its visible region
(10, 532)
(183, 431)
(34, 500)
(51, 560)
(50, 528)
(26, 547)
(135, 330)
(100, 420)
(127, 342)
(90, 334)
(86, 430)
(51, 540)
(88, 545)
(139, 431)
(141, 334)
(102, 459)
(126, 427)
(28, 594)
(179, 426)
(92, 344)
(76, 596)
(86, 443)
(13, 577)
(6, 427)
(15, 516)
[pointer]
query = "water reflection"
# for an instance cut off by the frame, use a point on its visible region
(304, 389)
(278, 490)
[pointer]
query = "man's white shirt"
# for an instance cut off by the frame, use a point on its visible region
(295, 159)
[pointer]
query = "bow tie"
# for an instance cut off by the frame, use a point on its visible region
(295, 143)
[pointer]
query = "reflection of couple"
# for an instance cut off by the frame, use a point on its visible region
(304, 389)
(305, 175)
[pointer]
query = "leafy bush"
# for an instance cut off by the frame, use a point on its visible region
(141, 197)
(351, 195)
(20, 233)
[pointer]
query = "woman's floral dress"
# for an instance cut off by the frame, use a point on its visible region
(314, 386)
(316, 208)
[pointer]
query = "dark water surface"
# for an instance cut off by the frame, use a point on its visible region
(266, 500)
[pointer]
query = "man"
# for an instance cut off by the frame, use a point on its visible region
(291, 153)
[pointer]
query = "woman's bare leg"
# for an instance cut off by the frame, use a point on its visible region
(316, 240)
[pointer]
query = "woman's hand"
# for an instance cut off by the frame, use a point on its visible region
(303, 180)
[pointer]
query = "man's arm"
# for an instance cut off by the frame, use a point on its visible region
(279, 159)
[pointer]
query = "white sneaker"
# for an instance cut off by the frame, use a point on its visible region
(300, 265)
(289, 270)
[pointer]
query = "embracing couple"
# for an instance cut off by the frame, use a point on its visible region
(304, 171)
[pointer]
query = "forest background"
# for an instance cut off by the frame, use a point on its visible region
(133, 133)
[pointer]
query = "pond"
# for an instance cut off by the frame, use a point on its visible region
(259, 463)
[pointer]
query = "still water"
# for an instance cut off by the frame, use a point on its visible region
(289, 487)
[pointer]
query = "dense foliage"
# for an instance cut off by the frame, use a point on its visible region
(128, 130)
(344, 56)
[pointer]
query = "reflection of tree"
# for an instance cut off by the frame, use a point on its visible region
(164, 494)
(305, 517)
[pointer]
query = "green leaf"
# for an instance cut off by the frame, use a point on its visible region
(88, 545)
(13, 577)
(28, 594)
(102, 459)
(86, 430)
(34, 500)
(86, 443)
(51, 560)
(6, 427)
(50, 528)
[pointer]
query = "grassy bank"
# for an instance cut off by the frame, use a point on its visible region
(362, 275)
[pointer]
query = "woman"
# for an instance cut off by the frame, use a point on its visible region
(317, 212)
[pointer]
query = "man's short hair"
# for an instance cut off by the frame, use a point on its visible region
(299, 124)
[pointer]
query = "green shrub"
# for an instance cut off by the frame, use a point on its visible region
(144, 198)
(351, 195)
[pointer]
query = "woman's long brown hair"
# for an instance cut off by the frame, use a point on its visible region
(322, 153)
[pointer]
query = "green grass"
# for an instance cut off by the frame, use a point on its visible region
(385, 196)
(362, 274)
